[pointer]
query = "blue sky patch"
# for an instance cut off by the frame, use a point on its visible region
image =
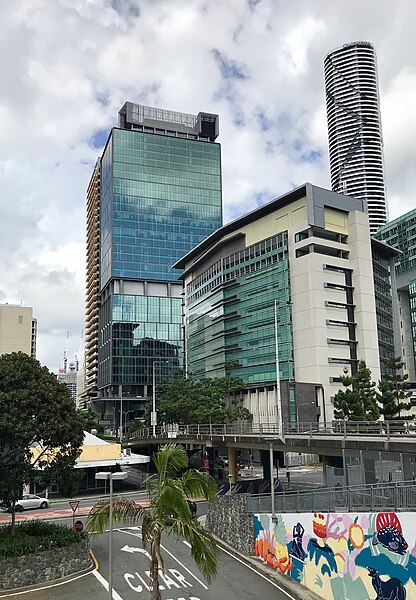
(99, 138)
(229, 69)
(313, 156)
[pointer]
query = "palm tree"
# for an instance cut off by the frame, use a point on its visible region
(168, 512)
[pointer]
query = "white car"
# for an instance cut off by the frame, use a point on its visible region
(31, 501)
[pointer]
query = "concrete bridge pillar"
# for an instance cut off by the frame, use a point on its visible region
(278, 461)
(265, 461)
(211, 460)
(232, 464)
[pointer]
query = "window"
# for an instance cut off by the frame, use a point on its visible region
(20, 319)
(330, 304)
(334, 323)
(335, 286)
(339, 361)
(334, 269)
(338, 342)
(302, 235)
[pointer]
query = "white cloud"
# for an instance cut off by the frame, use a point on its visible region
(67, 67)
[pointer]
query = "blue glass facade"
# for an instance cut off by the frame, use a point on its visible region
(141, 329)
(160, 197)
(232, 315)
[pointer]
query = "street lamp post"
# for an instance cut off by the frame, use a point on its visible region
(110, 477)
(120, 393)
(272, 478)
(153, 415)
(126, 412)
(278, 395)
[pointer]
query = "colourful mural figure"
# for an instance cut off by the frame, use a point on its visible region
(272, 547)
(389, 533)
(393, 589)
(295, 547)
(364, 556)
(297, 553)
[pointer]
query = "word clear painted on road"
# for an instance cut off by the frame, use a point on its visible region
(171, 579)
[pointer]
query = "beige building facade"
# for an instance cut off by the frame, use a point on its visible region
(18, 329)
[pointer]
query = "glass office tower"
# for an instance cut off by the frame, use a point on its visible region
(160, 197)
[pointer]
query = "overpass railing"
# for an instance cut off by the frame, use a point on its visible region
(386, 429)
(379, 497)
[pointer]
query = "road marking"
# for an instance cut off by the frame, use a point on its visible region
(174, 558)
(46, 587)
(94, 560)
(187, 543)
(185, 567)
(130, 549)
(258, 573)
(104, 583)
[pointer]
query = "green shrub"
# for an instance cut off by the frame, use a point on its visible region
(31, 537)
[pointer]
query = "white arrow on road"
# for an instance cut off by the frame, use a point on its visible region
(130, 549)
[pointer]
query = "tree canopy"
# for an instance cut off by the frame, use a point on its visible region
(40, 431)
(193, 401)
(358, 401)
(394, 392)
(361, 401)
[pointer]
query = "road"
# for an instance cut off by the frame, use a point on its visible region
(62, 508)
(300, 477)
(236, 580)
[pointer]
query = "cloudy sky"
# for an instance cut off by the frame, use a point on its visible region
(67, 66)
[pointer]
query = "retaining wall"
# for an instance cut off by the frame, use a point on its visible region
(228, 519)
(33, 569)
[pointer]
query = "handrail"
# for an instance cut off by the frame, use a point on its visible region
(342, 488)
(381, 496)
(385, 429)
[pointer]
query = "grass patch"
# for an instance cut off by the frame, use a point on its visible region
(32, 537)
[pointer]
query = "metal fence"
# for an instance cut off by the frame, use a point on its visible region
(378, 497)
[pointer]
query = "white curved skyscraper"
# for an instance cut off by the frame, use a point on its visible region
(354, 127)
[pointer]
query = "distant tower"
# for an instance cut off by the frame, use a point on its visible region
(354, 127)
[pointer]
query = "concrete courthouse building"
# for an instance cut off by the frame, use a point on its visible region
(302, 269)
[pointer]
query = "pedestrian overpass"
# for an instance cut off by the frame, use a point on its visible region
(364, 451)
(326, 439)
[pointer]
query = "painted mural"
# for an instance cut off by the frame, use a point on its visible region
(345, 556)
